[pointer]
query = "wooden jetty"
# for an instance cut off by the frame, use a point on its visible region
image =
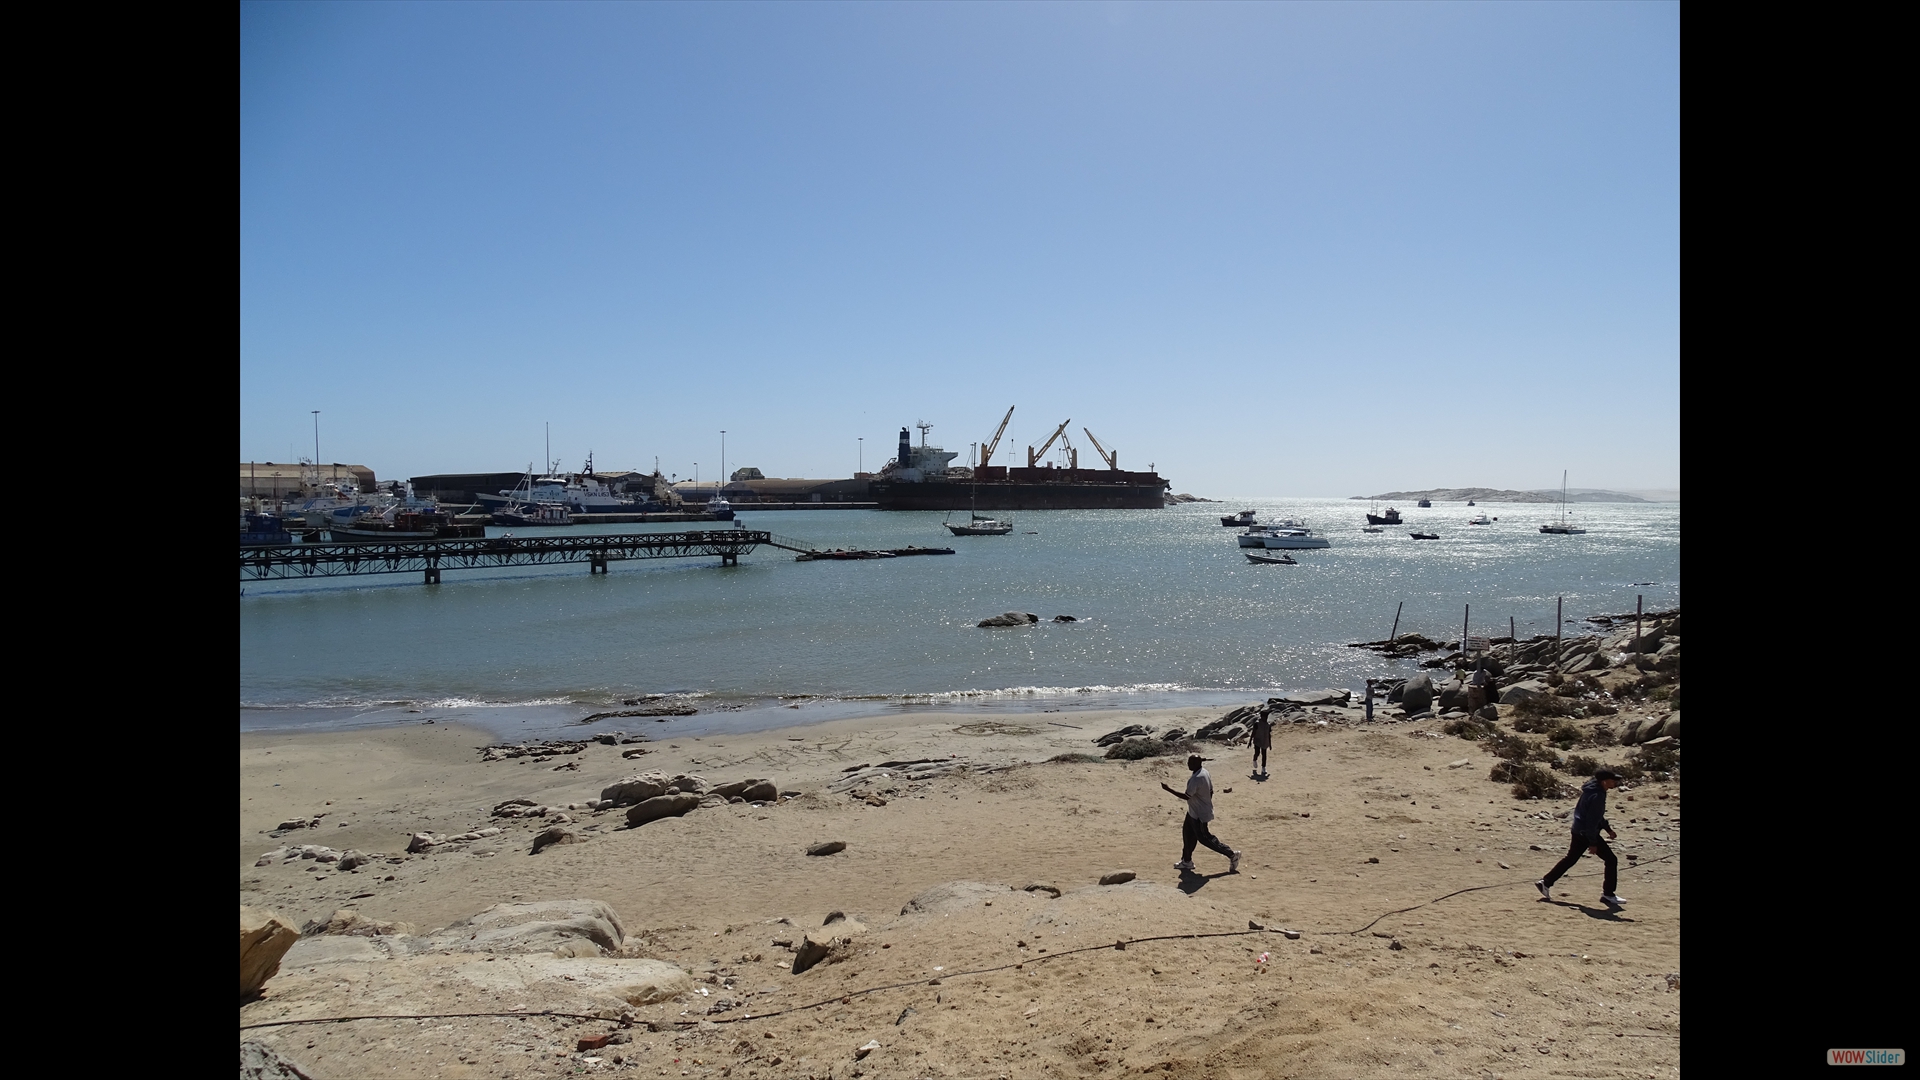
(429, 557)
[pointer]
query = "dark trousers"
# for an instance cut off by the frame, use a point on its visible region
(1578, 848)
(1196, 832)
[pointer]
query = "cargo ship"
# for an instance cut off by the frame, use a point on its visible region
(922, 478)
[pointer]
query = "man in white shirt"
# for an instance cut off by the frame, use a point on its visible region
(1199, 800)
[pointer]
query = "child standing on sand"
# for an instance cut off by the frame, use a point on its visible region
(1261, 737)
(1199, 800)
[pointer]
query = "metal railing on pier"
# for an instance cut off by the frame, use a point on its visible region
(430, 557)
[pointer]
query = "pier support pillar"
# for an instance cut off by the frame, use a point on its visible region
(729, 558)
(596, 564)
(432, 575)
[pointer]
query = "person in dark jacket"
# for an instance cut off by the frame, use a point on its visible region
(1589, 820)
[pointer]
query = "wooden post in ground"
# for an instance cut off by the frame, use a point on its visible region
(1639, 607)
(1465, 620)
(1396, 623)
(1513, 639)
(1559, 613)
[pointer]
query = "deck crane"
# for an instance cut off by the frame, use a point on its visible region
(986, 451)
(1034, 456)
(1112, 459)
(1072, 452)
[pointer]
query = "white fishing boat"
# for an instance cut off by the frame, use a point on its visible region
(1480, 519)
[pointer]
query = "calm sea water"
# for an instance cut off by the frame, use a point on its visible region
(1170, 614)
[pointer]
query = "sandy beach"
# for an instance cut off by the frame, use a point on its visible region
(1418, 952)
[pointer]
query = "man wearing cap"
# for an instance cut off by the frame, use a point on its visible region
(1589, 818)
(1199, 800)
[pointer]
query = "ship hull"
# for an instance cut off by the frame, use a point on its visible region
(1017, 495)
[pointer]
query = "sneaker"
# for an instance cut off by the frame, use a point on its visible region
(1183, 864)
(1611, 900)
(1542, 886)
(1233, 863)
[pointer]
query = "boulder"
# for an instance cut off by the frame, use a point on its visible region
(660, 806)
(1632, 734)
(1065, 618)
(738, 789)
(1315, 697)
(650, 785)
(562, 927)
(1521, 691)
(421, 843)
(1672, 730)
(1654, 729)
(552, 836)
(1118, 877)
(1010, 618)
(1489, 713)
(1453, 695)
(1416, 695)
(764, 791)
(827, 847)
(648, 982)
(264, 938)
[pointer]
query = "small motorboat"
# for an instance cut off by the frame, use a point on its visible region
(1480, 519)
(1426, 504)
(1373, 528)
(1425, 536)
(1244, 519)
(1263, 558)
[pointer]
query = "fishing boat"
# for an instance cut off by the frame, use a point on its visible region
(1425, 536)
(1480, 519)
(1565, 528)
(1391, 517)
(544, 513)
(1426, 504)
(1283, 559)
(1244, 519)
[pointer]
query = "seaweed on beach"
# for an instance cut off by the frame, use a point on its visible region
(1529, 780)
(1135, 749)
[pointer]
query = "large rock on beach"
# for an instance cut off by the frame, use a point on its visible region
(1315, 697)
(1416, 695)
(1521, 691)
(662, 806)
(649, 785)
(561, 927)
(264, 938)
(738, 789)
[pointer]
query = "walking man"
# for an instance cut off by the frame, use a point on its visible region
(1261, 738)
(1589, 819)
(1199, 800)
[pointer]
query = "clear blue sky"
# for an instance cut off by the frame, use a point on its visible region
(1287, 249)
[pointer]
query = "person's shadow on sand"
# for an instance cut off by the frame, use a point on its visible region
(1192, 881)
(1609, 914)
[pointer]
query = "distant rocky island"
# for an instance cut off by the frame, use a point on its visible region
(1498, 495)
